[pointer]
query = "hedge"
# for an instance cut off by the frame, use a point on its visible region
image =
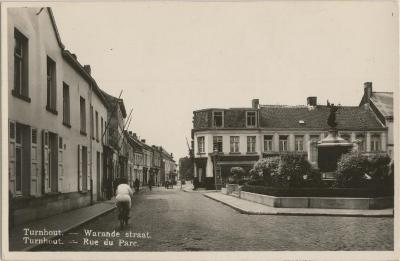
(319, 192)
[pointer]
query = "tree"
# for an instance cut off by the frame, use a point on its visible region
(186, 168)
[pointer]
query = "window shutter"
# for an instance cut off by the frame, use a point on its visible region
(11, 156)
(79, 168)
(34, 162)
(46, 152)
(60, 164)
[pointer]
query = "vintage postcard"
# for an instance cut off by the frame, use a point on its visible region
(204, 130)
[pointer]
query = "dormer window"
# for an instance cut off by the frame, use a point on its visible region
(218, 119)
(251, 119)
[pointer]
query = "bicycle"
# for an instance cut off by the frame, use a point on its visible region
(123, 213)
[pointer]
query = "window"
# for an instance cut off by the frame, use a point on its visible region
(21, 89)
(34, 136)
(251, 143)
(217, 143)
(299, 143)
(234, 144)
(91, 122)
(283, 143)
(102, 129)
(267, 142)
(200, 144)
(97, 126)
(361, 142)
(66, 105)
(375, 143)
(251, 118)
(83, 115)
(218, 119)
(60, 142)
(105, 132)
(51, 86)
(313, 147)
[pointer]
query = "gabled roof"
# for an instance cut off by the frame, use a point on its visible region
(289, 117)
(53, 23)
(383, 101)
(113, 100)
(72, 60)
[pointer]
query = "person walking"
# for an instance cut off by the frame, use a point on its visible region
(137, 184)
(150, 183)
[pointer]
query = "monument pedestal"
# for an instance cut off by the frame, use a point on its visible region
(330, 150)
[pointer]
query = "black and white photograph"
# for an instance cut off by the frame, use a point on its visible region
(200, 130)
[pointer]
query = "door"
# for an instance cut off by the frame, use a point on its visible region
(60, 164)
(12, 157)
(84, 169)
(46, 161)
(34, 162)
(80, 186)
(98, 176)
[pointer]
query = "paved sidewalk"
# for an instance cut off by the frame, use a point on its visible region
(252, 208)
(63, 222)
(189, 188)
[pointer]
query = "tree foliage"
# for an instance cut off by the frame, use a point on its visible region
(186, 168)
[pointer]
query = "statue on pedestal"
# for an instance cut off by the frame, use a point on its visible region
(332, 115)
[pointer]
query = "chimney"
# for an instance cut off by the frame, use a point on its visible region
(74, 55)
(130, 133)
(367, 90)
(312, 101)
(172, 155)
(254, 103)
(87, 68)
(143, 140)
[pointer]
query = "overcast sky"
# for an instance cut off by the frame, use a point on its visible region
(171, 58)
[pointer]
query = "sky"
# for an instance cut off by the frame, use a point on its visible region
(171, 57)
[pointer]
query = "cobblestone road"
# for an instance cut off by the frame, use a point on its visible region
(182, 221)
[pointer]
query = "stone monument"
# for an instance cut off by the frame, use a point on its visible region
(331, 148)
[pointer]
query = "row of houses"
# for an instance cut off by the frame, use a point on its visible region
(226, 138)
(148, 162)
(68, 143)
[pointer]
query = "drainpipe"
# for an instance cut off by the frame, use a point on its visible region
(91, 143)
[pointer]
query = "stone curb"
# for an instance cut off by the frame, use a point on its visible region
(199, 191)
(72, 227)
(242, 211)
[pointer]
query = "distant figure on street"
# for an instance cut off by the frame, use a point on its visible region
(166, 184)
(137, 184)
(150, 183)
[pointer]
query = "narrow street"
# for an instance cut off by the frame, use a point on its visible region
(174, 220)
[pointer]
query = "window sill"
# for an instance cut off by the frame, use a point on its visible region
(51, 110)
(20, 96)
(251, 152)
(67, 125)
(201, 153)
(235, 153)
(83, 133)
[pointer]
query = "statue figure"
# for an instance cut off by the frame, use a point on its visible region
(332, 114)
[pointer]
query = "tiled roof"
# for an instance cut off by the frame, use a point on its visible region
(383, 102)
(288, 117)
